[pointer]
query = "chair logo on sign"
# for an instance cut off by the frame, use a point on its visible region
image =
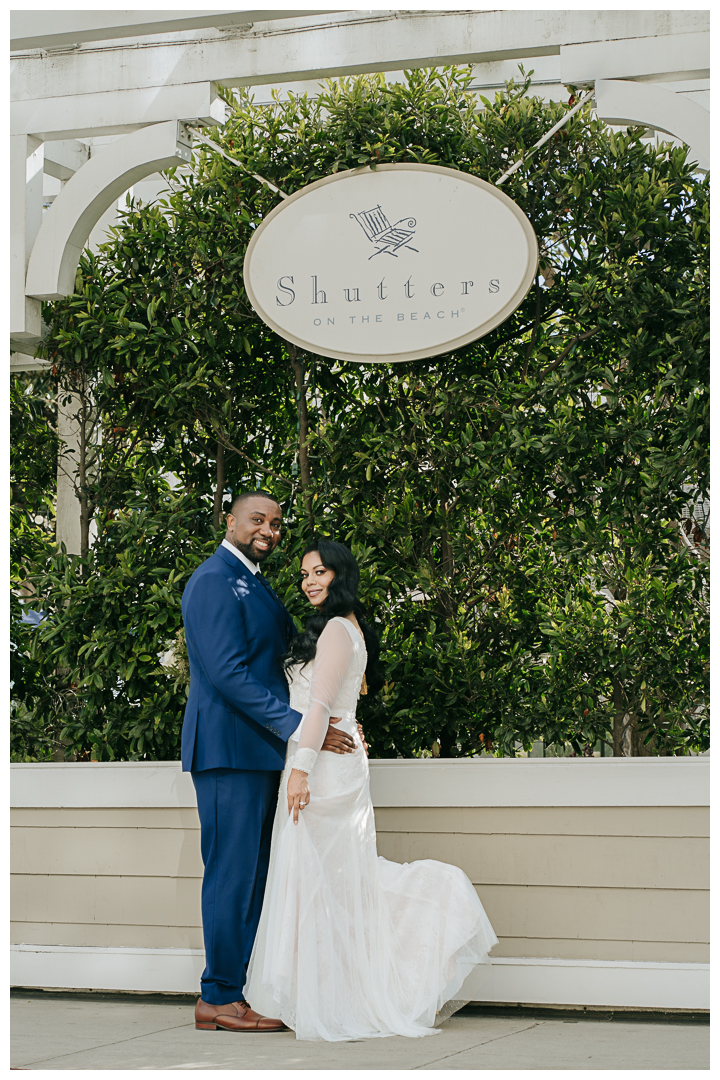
(386, 238)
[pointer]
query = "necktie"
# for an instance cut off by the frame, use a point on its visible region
(285, 613)
(266, 584)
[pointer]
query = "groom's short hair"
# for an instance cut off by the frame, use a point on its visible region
(248, 494)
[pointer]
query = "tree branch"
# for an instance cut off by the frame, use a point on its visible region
(556, 363)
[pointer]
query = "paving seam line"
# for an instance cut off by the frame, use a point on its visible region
(484, 1042)
(100, 1046)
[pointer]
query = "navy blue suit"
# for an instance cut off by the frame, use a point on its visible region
(237, 723)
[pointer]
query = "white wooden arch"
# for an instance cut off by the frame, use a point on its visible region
(619, 101)
(88, 194)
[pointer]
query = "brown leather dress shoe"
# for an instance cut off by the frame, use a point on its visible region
(238, 1016)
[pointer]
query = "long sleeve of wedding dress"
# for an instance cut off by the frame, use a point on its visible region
(332, 663)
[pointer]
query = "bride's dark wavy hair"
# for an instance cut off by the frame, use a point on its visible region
(341, 600)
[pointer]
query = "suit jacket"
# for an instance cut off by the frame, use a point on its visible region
(237, 715)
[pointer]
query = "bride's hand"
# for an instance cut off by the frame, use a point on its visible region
(298, 793)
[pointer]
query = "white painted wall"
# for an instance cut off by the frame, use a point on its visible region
(595, 868)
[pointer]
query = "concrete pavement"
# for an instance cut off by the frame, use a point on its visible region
(54, 1031)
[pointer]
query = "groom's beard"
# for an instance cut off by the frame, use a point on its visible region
(254, 554)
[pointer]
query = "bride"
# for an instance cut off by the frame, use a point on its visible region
(350, 946)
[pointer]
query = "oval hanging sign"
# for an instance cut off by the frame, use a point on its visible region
(397, 263)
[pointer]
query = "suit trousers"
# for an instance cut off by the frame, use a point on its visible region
(236, 809)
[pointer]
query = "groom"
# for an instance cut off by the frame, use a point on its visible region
(237, 723)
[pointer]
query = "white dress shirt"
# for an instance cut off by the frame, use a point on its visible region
(252, 567)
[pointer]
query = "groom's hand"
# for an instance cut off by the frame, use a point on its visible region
(361, 733)
(338, 742)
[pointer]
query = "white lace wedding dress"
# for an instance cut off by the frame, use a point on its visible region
(351, 946)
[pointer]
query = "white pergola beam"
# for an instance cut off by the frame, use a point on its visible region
(346, 44)
(63, 159)
(486, 79)
(56, 29)
(21, 361)
(85, 198)
(622, 102)
(686, 56)
(117, 112)
(26, 199)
